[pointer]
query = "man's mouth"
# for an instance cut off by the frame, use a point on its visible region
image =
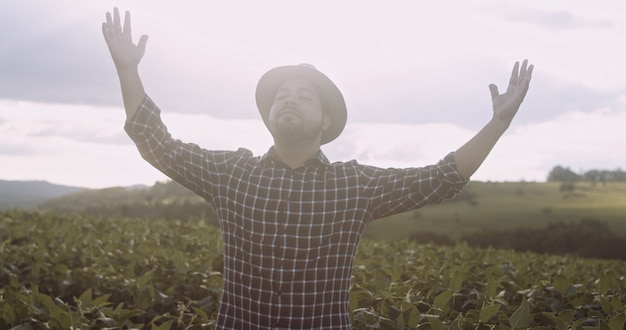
(290, 111)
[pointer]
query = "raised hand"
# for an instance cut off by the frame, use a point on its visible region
(125, 54)
(505, 105)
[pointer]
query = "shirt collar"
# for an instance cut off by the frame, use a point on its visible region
(270, 158)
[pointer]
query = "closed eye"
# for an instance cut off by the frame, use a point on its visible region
(280, 96)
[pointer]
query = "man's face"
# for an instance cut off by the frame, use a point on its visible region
(296, 113)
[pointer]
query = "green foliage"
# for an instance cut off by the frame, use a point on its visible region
(79, 272)
(481, 206)
(507, 206)
(405, 285)
(564, 174)
(167, 200)
(64, 272)
(586, 238)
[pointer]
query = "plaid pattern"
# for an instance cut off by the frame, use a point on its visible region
(289, 235)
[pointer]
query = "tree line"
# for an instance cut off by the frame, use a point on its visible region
(587, 238)
(565, 174)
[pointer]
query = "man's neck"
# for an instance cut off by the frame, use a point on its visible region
(295, 156)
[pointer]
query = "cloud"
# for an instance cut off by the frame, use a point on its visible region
(458, 93)
(559, 20)
(54, 53)
(9, 148)
(394, 65)
(414, 76)
(397, 145)
(43, 147)
(547, 99)
(81, 133)
(41, 128)
(563, 16)
(579, 140)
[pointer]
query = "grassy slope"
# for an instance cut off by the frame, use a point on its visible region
(502, 205)
(494, 205)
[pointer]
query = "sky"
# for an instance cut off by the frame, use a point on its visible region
(414, 75)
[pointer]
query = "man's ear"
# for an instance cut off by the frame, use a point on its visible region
(326, 122)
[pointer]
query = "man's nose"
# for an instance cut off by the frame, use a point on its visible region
(290, 99)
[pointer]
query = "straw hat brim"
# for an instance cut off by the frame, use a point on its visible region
(331, 95)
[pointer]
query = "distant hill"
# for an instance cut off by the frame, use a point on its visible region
(505, 206)
(115, 197)
(167, 200)
(29, 194)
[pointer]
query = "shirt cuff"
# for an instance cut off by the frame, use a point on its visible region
(455, 177)
(145, 115)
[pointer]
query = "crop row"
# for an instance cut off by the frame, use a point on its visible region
(77, 272)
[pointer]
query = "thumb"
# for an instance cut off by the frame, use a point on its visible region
(142, 43)
(493, 89)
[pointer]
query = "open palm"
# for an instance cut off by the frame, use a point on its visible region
(505, 105)
(125, 54)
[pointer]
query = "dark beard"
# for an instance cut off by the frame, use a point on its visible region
(294, 132)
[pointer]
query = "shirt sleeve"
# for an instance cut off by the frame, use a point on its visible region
(197, 169)
(393, 191)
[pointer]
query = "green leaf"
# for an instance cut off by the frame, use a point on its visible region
(492, 286)
(201, 313)
(65, 320)
(456, 282)
(8, 313)
(145, 299)
(145, 278)
(605, 304)
(436, 324)
(487, 312)
(101, 301)
(23, 327)
(86, 298)
(521, 317)
(167, 325)
(359, 297)
(617, 323)
(410, 313)
(53, 310)
(400, 323)
(561, 284)
(443, 298)
(602, 325)
(567, 315)
(397, 269)
(556, 322)
(617, 304)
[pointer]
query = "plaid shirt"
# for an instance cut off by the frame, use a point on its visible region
(289, 235)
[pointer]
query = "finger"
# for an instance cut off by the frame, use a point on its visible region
(116, 20)
(514, 74)
(105, 32)
(525, 73)
(493, 89)
(526, 82)
(127, 23)
(142, 43)
(522, 71)
(109, 20)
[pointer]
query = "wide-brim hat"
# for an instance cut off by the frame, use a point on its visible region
(331, 96)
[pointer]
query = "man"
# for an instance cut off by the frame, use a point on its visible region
(290, 219)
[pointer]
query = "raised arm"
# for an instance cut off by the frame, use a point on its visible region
(126, 57)
(472, 154)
